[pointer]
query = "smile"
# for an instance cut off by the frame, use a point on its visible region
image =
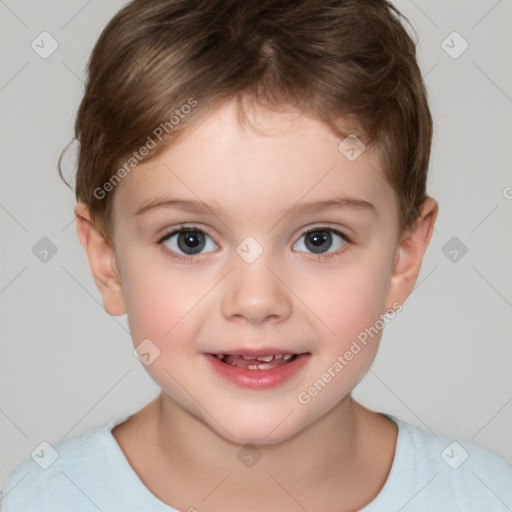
(256, 363)
(259, 371)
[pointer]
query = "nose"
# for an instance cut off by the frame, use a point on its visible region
(255, 295)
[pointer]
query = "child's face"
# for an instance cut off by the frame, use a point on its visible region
(289, 299)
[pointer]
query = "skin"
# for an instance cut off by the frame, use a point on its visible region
(184, 444)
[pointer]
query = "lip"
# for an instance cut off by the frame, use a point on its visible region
(249, 352)
(258, 379)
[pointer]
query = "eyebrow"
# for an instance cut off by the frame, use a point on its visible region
(199, 207)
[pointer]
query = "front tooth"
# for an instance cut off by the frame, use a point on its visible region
(278, 356)
(264, 366)
(265, 358)
(288, 356)
(247, 358)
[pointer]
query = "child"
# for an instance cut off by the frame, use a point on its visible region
(251, 189)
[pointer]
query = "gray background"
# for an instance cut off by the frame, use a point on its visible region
(444, 363)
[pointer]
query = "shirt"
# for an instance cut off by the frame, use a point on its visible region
(91, 473)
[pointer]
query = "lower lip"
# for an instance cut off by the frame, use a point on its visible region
(258, 379)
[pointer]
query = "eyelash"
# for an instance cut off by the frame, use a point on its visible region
(317, 257)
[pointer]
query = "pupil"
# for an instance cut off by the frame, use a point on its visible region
(191, 242)
(319, 241)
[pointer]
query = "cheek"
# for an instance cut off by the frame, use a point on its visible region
(348, 299)
(349, 304)
(161, 303)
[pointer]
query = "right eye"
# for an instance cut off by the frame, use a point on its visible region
(188, 242)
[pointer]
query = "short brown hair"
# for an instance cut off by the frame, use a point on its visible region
(335, 59)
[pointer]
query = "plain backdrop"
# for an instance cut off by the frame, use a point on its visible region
(445, 361)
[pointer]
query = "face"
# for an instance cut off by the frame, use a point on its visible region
(241, 242)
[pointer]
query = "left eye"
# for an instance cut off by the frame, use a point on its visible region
(320, 240)
(189, 242)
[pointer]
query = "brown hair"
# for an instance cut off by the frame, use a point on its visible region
(335, 59)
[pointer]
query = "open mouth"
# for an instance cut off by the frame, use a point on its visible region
(258, 369)
(257, 363)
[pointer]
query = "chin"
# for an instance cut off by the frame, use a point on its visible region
(258, 428)
(256, 436)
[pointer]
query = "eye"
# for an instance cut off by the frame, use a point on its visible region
(321, 240)
(188, 241)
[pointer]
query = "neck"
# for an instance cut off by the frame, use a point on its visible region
(328, 446)
(339, 462)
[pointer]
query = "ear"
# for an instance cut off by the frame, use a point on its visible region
(410, 254)
(102, 261)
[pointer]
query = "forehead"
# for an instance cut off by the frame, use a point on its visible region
(274, 159)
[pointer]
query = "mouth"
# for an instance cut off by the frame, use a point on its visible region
(258, 369)
(264, 362)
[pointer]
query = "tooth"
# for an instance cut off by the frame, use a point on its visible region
(265, 358)
(219, 356)
(287, 357)
(278, 356)
(264, 366)
(247, 358)
(253, 367)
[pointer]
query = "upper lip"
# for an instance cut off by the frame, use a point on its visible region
(255, 352)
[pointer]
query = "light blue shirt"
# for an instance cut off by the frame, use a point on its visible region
(91, 474)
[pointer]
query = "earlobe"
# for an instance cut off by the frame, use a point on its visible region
(410, 254)
(102, 260)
